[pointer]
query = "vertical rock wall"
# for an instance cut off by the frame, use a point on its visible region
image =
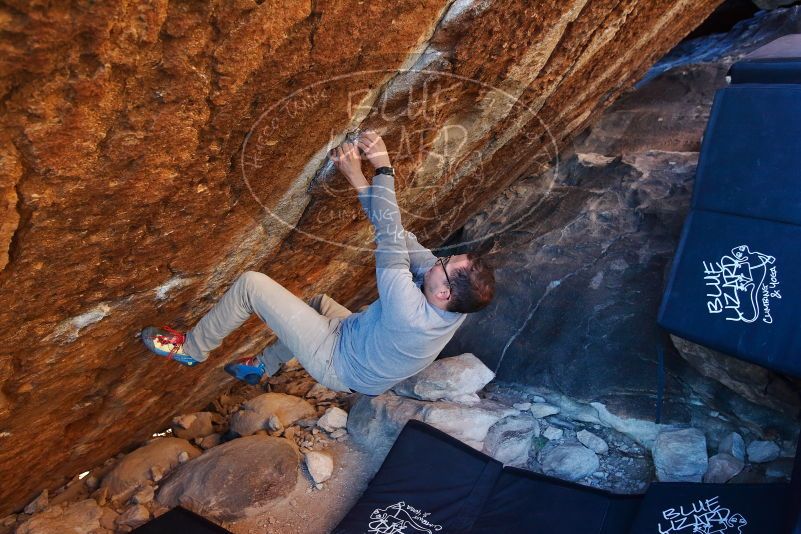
(151, 152)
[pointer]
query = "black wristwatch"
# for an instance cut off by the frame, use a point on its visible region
(385, 170)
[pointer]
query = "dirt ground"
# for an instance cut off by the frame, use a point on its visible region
(307, 510)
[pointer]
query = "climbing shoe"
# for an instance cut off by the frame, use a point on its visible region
(167, 342)
(249, 370)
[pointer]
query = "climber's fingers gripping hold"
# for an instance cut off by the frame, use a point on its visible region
(348, 161)
(374, 148)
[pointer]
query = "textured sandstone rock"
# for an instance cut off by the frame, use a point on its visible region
(257, 413)
(129, 195)
(231, 478)
(79, 518)
(137, 468)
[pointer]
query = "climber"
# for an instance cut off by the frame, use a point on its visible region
(422, 301)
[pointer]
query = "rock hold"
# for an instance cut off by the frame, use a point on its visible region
(133, 517)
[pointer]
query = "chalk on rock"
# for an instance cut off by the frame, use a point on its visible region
(762, 451)
(320, 466)
(457, 379)
(333, 419)
(680, 455)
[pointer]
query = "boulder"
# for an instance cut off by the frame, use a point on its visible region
(230, 479)
(79, 518)
(375, 422)
(255, 414)
(96, 175)
(333, 419)
(320, 465)
(722, 468)
(569, 462)
(457, 378)
(509, 440)
(193, 425)
(593, 442)
(680, 455)
(762, 451)
(733, 445)
(138, 467)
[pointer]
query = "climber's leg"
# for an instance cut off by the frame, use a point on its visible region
(301, 329)
(276, 354)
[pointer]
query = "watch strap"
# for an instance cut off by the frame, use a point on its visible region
(385, 170)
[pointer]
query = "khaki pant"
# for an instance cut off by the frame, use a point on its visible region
(307, 331)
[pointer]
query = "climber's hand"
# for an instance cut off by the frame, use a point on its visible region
(347, 160)
(374, 148)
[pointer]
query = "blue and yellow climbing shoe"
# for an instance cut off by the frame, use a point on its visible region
(167, 342)
(248, 370)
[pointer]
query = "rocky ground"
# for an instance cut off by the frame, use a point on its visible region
(290, 456)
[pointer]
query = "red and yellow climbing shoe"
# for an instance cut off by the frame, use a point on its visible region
(167, 342)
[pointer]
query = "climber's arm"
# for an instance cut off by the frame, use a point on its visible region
(396, 286)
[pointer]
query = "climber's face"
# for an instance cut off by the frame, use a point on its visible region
(436, 281)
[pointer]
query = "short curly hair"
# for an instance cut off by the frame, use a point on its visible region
(472, 287)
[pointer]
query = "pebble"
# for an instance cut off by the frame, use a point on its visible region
(320, 466)
(552, 433)
(183, 457)
(591, 441)
(522, 406)
(144, 495)
(537, 398)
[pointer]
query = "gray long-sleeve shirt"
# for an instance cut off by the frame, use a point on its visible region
(399, 334)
